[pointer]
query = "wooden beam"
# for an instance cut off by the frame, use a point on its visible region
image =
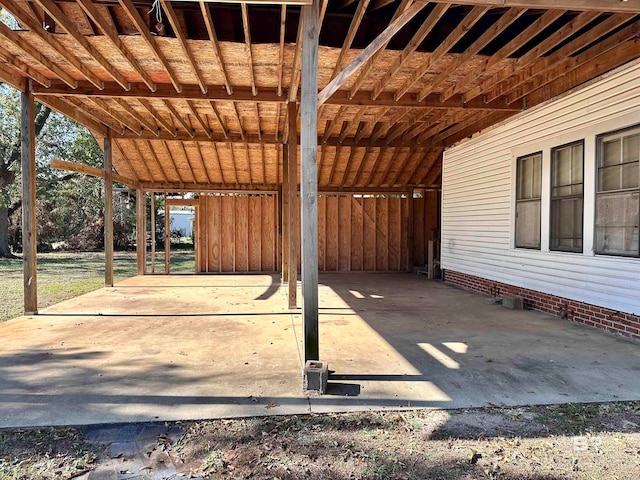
(379, 42)
(108, 211)
(292, 146)
(28, 165)
(182, 202)
(283, 21)
(93, 171)
(366, 68)
(622, 6)
(243, 94)
(213, 37)
(72, 111)
(175, 25)
(141, 236)
(11, 77)
(24, 69)
(309, 180)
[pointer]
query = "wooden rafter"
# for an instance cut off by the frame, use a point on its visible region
(23, 69)
(88, 109)
(454, 37)
(168, 126)
(194, 111)
(428, 25)
(622, 6)
(126, 160)
(143, 30)
(127, 121)
(169, 106)
(65, 22)
(29, 22)
(512, 46)
(177, 170)
(157, 161)
(497, 28)
(203, 163)
(247, 45)
(149, 174)
(379, 42)
(213, 37)
(90, 8)
(218, 118)
(145, 122)
(70, 110)
(283, 21)
(36, 55)
(564, 53)
(180, 36)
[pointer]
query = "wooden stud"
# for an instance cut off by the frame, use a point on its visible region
(285, 214)
(29, 226)
(309, 180)
(108, 211)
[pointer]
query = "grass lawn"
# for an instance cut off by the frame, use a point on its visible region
(66, 275)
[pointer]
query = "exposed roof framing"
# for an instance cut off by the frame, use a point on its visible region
(193, 97)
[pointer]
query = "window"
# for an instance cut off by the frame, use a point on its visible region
(528, 188)
(567, 165)
(617, 194)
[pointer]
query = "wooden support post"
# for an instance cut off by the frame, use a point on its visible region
(292, 185)
(285, 213)
(141, 240)
(167, 237)
(108, 211)
(28, 161)
(309, 179)
(153, 232)
(410, 230)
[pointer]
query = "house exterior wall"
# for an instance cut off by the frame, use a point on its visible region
(478, 201)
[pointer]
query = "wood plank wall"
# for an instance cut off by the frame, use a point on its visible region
(426, 211)
(237, 233)
(360, 233)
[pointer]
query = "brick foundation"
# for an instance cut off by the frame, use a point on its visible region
(610, 320)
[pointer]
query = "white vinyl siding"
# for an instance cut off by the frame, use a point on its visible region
(479, 197)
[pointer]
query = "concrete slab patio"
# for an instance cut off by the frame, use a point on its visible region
(195, 347)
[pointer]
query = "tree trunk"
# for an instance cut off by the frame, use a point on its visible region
(5, 252)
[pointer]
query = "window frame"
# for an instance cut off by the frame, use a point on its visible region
(621, 133)
(538, 199)
(552, 198)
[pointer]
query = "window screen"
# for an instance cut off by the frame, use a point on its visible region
(618, 195)
(528, 189)
(567, 166)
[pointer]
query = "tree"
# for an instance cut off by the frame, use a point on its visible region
(10, 151)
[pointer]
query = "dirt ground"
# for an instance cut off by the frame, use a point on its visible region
(569, 441)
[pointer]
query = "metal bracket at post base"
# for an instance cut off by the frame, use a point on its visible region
(315, 376)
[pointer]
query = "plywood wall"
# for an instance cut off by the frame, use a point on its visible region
(237, 233)
(362, 233)
(356, 232)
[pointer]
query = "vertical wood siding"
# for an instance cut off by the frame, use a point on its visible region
(478, 198)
